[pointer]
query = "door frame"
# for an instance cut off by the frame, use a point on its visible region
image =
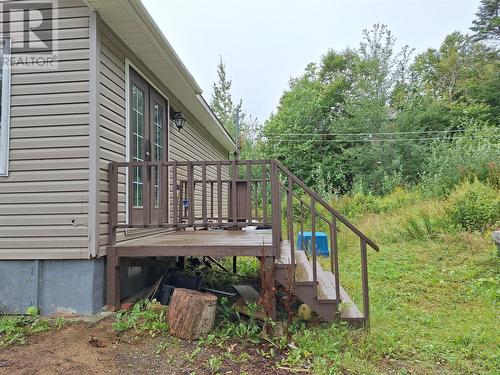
(128, 152)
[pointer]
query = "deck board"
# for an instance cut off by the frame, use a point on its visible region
(199, 243)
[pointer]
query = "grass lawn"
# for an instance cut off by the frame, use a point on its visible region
(434, 294)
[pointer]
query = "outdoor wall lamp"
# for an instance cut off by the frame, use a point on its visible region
(179, 120)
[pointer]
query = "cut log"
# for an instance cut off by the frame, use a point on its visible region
(191, 314)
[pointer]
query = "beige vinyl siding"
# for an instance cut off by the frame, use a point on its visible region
(192, 143)
(44, 200)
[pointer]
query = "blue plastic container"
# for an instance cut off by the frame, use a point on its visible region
(304, 243)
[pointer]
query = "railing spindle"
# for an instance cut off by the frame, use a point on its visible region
(249, 193)
(234, 195)
(174, 194)
(131, 193)
(161, 190)
(264, 192)
(204, 192)
(146, 194)
(211, 200)
(302, 222)
(219, 193)
(256, 199)
(191, 195)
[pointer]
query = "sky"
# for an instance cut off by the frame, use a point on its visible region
(266, 42)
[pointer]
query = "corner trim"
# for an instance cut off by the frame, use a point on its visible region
(94, 134)
(5, 116)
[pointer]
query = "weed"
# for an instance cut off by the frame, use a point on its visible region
(59, 322)
(191, 356)
(15, 329)
(142, 318)
(161, 347)
(215, 364)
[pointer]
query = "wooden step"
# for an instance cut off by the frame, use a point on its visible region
(285, 257)
(326, 304)
(326, 289)
(348, 309)
(303, 268)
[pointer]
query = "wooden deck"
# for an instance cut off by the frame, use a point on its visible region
(200, 243)
(244, 194)
(186, 243)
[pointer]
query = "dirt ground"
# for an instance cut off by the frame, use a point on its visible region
(83, 348)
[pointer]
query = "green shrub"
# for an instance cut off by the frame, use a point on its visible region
(474, 206)
(473, 154)
(359, 203)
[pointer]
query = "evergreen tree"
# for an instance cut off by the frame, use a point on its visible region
(224, 107)
(222, 102)
(486, 26)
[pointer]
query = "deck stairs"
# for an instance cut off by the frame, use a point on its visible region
(326, 304)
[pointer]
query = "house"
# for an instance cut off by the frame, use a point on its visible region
(112, 164)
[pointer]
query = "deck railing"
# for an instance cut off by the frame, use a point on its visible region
(230, 194)
(180, 194)
(309, 202)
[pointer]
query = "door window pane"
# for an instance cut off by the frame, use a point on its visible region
(137, 124)
(158, 128)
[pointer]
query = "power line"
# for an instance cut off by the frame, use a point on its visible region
(384, 140)
(378, 133)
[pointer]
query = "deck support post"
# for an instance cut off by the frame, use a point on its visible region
(112, 279)
(268, 286)
(235, 267)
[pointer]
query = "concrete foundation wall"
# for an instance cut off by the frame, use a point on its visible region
(55, 286)
(70, 286)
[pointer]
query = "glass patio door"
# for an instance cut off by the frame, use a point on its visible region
(148, 142)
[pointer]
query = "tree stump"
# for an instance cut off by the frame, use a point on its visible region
(191, 314)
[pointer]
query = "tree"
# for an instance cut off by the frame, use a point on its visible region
(486, 26)
(222, 102)
(461, 71)
(226, 110)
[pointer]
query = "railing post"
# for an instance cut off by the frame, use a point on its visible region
(275, 209)
(364, 282)
(112, 203)
(335, 255)
(289, 218)
(313, 245)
